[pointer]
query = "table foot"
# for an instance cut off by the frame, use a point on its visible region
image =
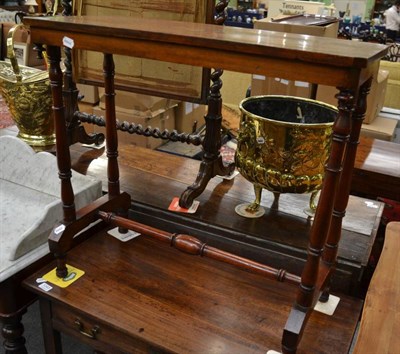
(207, 170)
(12, 331)
(79, 135)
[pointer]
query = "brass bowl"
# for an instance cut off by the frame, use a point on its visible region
(283, 144)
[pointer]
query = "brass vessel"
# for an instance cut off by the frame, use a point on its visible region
(283, 145)
(27, 94)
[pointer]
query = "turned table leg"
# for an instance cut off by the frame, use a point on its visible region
(211, 164)
(75, 131)
(63, 153)
(12, 331)
(311, 284)
(51, 337)
(331, 246)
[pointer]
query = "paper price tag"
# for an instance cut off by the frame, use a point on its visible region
(68, 42)
(123, 236)
(46, 287)
(59, 229)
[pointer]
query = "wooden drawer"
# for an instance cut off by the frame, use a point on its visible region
(106, 338)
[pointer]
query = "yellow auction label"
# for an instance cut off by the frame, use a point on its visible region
(73, 275)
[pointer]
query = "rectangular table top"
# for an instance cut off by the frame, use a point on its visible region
(292, 56)
(185, 304)
(142, 171)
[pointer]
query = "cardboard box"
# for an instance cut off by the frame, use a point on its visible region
(381, 128)
(156, 76)
(189, 117)
(330, 30)
(375, 98)
(278, 8)
(144, 106)
(90, 93)
(162, 119)
(235, 86)
(261, 85)
(392, 98)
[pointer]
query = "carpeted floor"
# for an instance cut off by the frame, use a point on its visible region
(34, 338)
(5, 116)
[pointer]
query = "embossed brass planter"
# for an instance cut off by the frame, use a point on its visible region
(283, 144)
(27, 94)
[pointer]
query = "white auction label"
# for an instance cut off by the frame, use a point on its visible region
(68, 42)
(45, 287)
(59, 229)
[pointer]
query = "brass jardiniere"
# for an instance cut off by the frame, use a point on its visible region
(283, 145)
(27, 94)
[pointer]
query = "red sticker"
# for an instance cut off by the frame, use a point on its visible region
(174, 206)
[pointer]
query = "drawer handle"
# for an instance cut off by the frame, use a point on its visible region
(93, 332)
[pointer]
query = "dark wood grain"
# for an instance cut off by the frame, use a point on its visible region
(379, 329)
(216, 222)
(268, 53)
(191, 245)
(295, 57)
(14, 301)
(150, 293)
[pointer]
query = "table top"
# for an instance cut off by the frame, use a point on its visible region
(334, 62)
(306, 20)
(377, 169)
(143, 170)
(378, 156)
(187, 304)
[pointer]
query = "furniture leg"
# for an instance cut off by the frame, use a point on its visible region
(51, 337)
(60, 239)
(211, 164)
(111, 130)
(331, 247)
(308, 291)
(75, 131)
(62, 147)
(335, 64)
(12, 331)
